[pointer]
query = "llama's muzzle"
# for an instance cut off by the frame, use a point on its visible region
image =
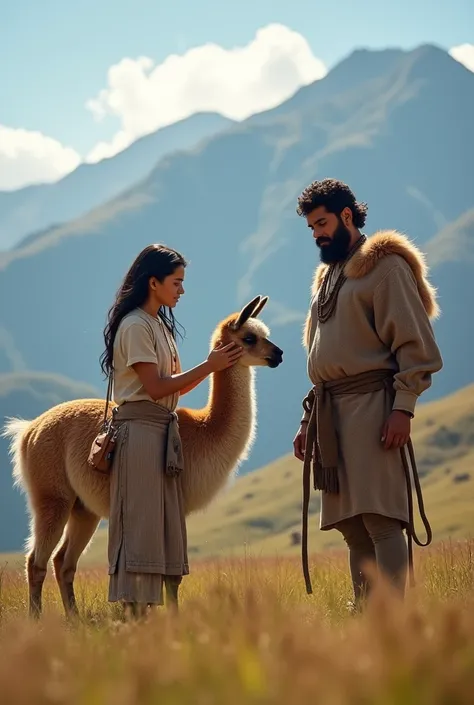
(275, 358)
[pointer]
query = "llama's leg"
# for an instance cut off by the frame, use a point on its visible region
(49, 519)
(172, 583)
(79, 530)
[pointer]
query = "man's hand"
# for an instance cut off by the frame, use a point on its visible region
(299, 441)
(396, 430)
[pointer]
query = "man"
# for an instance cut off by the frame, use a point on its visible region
(371, 354)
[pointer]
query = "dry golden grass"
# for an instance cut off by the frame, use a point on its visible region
(262, 510)
(248, 633)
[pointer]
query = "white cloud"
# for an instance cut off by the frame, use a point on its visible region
(464, 53)
(235, 82)
(28, 157)
(145, 96)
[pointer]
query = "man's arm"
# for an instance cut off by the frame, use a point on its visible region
(308, 337)
(309, 329)
(403, 325)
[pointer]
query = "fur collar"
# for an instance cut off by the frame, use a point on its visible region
(381, 244)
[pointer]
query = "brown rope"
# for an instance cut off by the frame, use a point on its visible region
(411, 533)
(310, 447)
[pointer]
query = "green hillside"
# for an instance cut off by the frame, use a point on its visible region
(376, 121)
(261, 512)
(372, 121)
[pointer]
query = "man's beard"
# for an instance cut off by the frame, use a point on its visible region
(336, 249)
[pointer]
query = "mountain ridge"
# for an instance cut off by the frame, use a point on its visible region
(90, 184)
(260, 513)
(229, 206)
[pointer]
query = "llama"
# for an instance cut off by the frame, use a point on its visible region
(67, 498)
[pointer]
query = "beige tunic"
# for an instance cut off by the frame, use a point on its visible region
(147, 530)
(142, 338)
(379, 323)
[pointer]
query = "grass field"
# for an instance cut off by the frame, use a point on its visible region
(248, 633)
(262, 510)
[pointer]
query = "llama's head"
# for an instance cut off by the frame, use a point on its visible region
(245, 329)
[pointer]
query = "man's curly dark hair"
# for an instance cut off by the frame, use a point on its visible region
(335, 196)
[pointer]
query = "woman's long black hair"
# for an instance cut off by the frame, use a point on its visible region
(154, 261)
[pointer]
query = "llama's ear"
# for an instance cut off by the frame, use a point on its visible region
(260, 305)
(246, 312)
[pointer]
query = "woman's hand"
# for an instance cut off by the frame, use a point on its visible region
(224, 356)
(159, 387)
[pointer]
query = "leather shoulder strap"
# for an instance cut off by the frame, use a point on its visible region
(107, 400)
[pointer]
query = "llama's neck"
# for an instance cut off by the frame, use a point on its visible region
(231, 407)
(223, 436)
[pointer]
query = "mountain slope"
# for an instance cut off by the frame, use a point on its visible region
(26, 395)
(230, 207)
(261, 513)
(35, 208)
(451, 254)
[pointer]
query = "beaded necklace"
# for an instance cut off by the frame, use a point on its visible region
(169, 340)
(171, 345)
(326, 303)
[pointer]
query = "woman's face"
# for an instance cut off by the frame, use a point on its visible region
(168, 292)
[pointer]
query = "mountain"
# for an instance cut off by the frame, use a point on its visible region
(35, 208)
(230, 207)
(26, 395)
(451, 254)
(260, 513)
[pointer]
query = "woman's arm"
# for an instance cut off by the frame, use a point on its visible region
(192, 386)
(158, 387)
(138, 350)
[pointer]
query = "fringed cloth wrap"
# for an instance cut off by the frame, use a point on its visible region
(323, 451)
(147, 529)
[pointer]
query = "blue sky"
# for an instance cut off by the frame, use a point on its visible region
(58, 53)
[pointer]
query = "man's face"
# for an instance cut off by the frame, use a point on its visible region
(330, 234)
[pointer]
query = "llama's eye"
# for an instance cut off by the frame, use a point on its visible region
(250, 339)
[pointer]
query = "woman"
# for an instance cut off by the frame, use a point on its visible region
(147, 530)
